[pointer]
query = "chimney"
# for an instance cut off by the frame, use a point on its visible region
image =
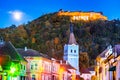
(25, 48)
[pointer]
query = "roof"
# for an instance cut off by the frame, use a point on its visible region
(91, 69)
(72, 39)
(65, 64)
(32, 53)
(103, 53)
(85, 70)
(117, 49)
(8, 49)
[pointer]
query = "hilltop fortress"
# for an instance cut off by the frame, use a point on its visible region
(86, 16)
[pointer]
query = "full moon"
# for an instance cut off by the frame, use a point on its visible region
(17, 15)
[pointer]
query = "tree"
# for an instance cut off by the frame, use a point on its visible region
(83, 60)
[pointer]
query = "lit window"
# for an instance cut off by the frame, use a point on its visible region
(24, 67)
(33, 77)
(32, 67)
(21, 66)
(36, 66)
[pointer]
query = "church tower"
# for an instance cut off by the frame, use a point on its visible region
(71, 51)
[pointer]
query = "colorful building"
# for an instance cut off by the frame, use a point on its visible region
(12, 65)
(108, 64)
(55, 69)
(42, 67)
(115, 65)
(67, 72)
(86, 16)
(102, 68)
(39, 66)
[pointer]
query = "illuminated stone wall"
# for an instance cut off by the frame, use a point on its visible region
(83, 15)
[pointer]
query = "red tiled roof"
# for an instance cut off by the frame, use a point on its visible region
(67, 66)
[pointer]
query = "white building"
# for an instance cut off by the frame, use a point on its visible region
(71, 51)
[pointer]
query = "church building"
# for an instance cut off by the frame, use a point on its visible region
(71, 51)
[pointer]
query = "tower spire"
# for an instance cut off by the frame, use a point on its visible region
(71, 27)
(72, 39)
(71, 51)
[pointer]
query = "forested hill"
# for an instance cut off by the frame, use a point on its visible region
(49, 33)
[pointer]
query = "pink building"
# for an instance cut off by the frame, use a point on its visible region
(38, 66)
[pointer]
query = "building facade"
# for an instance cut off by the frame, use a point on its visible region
(39, 67)
(55, 69)
(108, 64)
(13, 66)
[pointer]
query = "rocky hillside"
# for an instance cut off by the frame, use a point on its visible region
(50, 32)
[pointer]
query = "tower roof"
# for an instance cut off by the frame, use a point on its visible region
(72, 39)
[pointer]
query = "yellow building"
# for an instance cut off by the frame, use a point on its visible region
(108, 64)
(86, 16)
(103, 65)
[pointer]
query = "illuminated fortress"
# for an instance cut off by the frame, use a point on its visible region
(86, 16)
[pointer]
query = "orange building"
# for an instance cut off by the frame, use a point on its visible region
(83, 15)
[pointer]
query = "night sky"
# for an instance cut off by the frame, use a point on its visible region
(21, 11)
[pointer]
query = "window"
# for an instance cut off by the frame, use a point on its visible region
(31, 67)
(21, 66)
(74, 51)
(36, 66)
(24, 67)
(33, 77)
